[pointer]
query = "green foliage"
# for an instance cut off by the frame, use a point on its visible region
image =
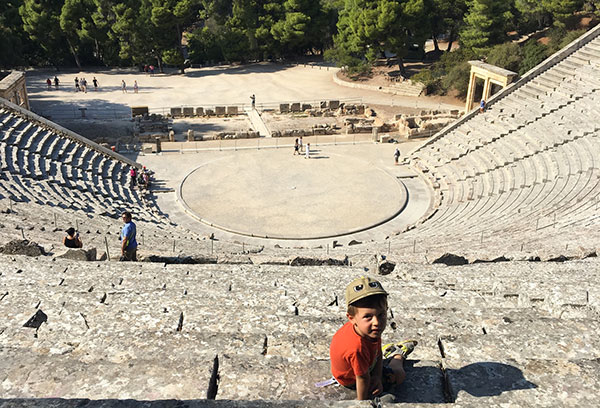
(561, 10)
(533, 53)
(507, 56)
(486, 24)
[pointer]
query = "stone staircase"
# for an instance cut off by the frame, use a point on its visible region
(489, 334)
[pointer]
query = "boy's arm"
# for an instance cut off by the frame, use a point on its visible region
(376, 387)
(362, 387)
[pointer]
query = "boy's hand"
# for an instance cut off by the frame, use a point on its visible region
(376, 387)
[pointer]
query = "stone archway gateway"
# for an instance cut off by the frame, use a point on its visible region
(491, 75)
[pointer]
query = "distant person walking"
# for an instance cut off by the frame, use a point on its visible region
(296, 147)
(56, 82)
(127, 237)
(77, 84)
(300, 144)
(135, 87)
(307, 151)
(151, 70)
(396, 156)
(253, 99)
(95, 82)
(123, 86)
(84, 85)
(481, 106)
(72, 239)
(49, 83)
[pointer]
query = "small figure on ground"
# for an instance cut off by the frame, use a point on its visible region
(72, 239)
(296, 147)
(95, 82)
(127, 237)
(253, 99)
(300, 144)
(396, 156)
(151, 70)
(77, 84)
(123, 86)
(358, 361)
(83, 85)
(49, 83)
(56, 81)
(135, 87)
(307, 151)
(132, 177)
(481, 106)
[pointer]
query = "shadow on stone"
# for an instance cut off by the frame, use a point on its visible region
(486, 379)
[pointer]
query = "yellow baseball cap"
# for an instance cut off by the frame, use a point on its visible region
(361, 288)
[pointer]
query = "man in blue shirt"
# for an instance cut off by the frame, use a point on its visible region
(128, 242)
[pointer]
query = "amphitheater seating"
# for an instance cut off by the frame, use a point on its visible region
(528, 158)
(116, 331)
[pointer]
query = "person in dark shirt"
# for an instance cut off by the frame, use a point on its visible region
(72, 239)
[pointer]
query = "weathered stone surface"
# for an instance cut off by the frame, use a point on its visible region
(199, 111)
(450, 260)
(333, 105)
(79, 254)
(220, 110)
(303, 261)
(176, 112)
(284, 107)
(22, 247)
(188, 112)
(295, 107)
(387, 267)
(232, 110)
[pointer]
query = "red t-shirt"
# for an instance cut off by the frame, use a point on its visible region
(352, 355)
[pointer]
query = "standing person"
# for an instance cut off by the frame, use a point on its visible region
(49, 83)
(481, 106)
(95, 82)
(123, 86)
(396, 156)
(296, 146)
(77, 84)
(135, 87)
(72, 239)
(253, 99)
(307, 151)
(84, 85)
(151, 70)
(127, 237)
(132, 177)
(56, 81)
(300, 144)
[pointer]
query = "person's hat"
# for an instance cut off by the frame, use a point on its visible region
(361, 288)
(70, 231)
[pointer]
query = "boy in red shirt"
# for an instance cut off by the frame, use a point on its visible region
(357, 359)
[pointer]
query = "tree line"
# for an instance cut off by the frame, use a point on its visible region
(353, 33)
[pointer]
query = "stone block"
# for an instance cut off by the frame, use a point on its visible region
(79, 254)
(171, 136)
(306, 106)
(190, 135)
(284, 107)
(199, 111)
(139, 111)
(232, 110)
(295, 107)
(220, 110)
(384, 138)
(209, 112)
(323, 105)
(334, 105)
(176, 112)
(188, 112)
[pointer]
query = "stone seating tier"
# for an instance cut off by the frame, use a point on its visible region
(271, 330)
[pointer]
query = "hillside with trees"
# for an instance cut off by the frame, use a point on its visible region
(351, 33)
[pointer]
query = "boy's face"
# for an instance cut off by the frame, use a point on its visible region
(369, 322)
